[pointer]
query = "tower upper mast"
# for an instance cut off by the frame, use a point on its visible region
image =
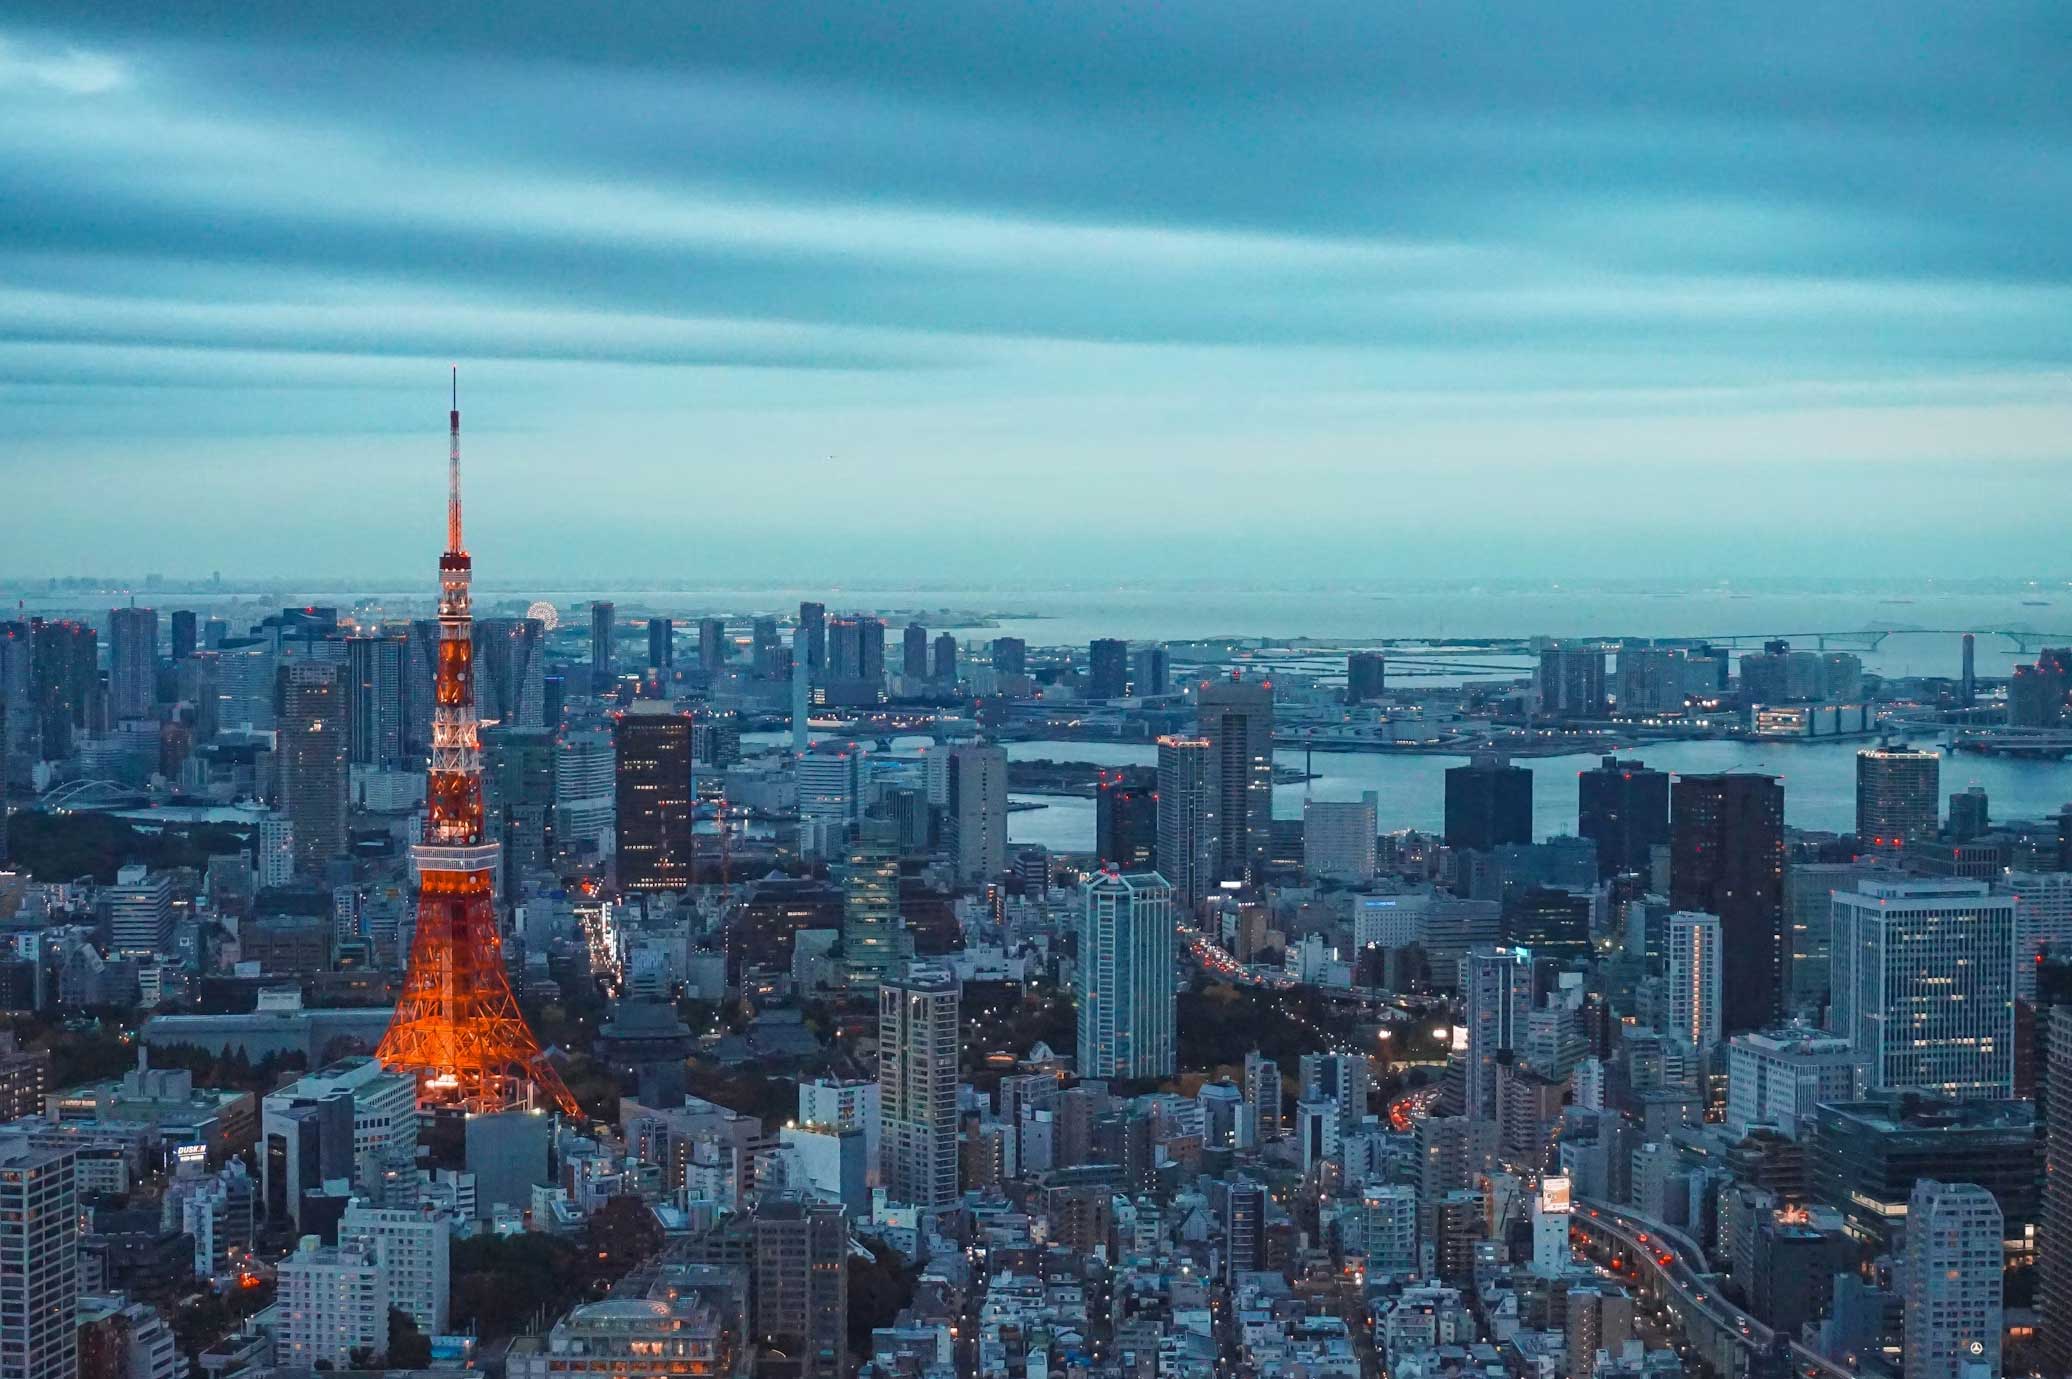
(453, 544)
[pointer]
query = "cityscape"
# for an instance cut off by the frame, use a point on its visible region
(1044, 739)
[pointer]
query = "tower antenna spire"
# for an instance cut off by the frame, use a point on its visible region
(453, 473)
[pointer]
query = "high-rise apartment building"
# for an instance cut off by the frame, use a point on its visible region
(654, 848)
(1010, 655)
(1263, 1096)
(64, 670)
(976, 818)
(332, 1303)
(39, 1261)
(311, 748)
(1898, 793)
(132, 662)
(1366, 676)
(712, 645)
(1954, 1320)
(2054, 1261)
(1107, 668)
(604, 637)
(1150, 672)
(377, 714)
(1186, 806)
(1236, 718)
(661, 635)
(410, 1249)
(1127, 991)
(1623, 807)
(1340, 1079)
(873, 940)
(813, 628)
(1570, 683)
(1923, 973)
(945, 668)
(913, 652)
(1125, 823)
(1488, 802)
(1726, 858)
(918, 1052)
(184, 640)
(1496, 984)
(2042, 922)
(1693, 983)
(801, 1274)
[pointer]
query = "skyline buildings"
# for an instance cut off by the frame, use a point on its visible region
(1726, 841)
(1235, 717)
(1125, 1016)
(918, 1054)
(1898, 796)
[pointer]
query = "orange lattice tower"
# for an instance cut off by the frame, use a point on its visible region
(458, 1026)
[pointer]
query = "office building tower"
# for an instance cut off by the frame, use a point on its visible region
(585, 790)
(1726, 858)
(874, 941)
(1967, 677)
(801, 1277)
(1186, 807)
(377, 712)
(64, 671)
(1341, 1080)
(518, 796)
(1953, 1282)
(1236, 718)
(311, 747)
(918, 1051)
(1488, 803)
(410, 1249)
(1923, 974)
(420, 673)
(1126, 976)
(870, 651)
(1010, 655)
(132, 662)
(2042, 923)
(913, 660)
(1623, 807)
(604, 634)
(1694, 979)
(945, 669)
(1970, 813)
(764, 646)
(1125, 823)
(511, 672)
(1150, 672)
(39, 1261)
(661, 634)
(713, 648)
(140, 911)
(1339, 839)
(1366, 676)
(1263, 1096)
(1897, 793)
(830, 784)
(1107, 668)
(1496, 987)
(813, 628)
(184, 640)
(2054, 1261)
(653, 846)
(331, 1304)
(1781, 1077)
(976, 817)
(1570, 683)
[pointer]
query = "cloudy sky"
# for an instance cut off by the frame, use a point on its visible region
(1038, 289)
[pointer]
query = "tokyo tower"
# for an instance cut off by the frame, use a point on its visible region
(458, 1027)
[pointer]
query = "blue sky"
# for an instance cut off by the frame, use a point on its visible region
(1020, 290)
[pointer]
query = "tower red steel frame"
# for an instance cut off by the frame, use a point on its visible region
(458, 1027)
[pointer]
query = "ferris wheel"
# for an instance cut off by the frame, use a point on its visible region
(545, 614)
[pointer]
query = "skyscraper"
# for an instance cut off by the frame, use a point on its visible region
(1010, 655)
(132, 662)
(652, 798)
(183, 634)
(511, 672)
(661, 634)
(1186, 818)
(1263, 1096)
(64, 668)
(873, 940)
(801, 1275)
(1488, 802)
(1497, 991)
(1623, 807)
(1236, 718)
(1343, 1080)
(1898, 791)
(1366, 676)
(1150, 672)
(1339, 839)
(377, 715)
(603, 646)
(913, 661)
(1923, 979)
(311, 745)
(712, 645)
(1694, 979)
(1107, 668)
(918, 1048)
(1953, 1281)
(1570, 683)
(1126, 984)
(39, 1259)
(813, 627)
(2054, 1261)
(945, 670)
(976, 818)
(1726, 846)
(1125, 823)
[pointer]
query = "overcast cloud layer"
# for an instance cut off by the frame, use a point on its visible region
(765, 290)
